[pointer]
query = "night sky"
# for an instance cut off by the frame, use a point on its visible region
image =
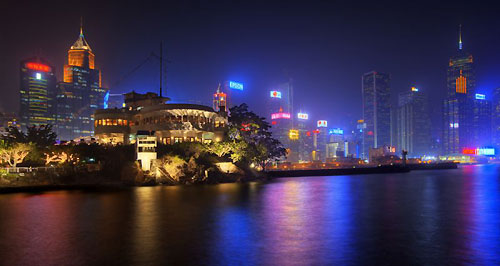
(325, 46)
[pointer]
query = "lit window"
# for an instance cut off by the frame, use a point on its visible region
(38, 76)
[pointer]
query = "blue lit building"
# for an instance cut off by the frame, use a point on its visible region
(376, 94)
(80, 94)
(496, 118)
(413, 128)
(466, 114)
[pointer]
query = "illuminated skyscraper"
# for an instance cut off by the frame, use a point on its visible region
(80, 94)
(37, 92)
(376, 94)
(458, 108)
(279, 106)
(461, 72)
(413, 123)
(496, 118)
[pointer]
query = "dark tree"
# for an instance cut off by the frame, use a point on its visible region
(41, 136)
(245, 125)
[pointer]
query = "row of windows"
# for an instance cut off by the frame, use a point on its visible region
(113, 122)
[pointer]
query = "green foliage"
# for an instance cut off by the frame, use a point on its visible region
(254, 141)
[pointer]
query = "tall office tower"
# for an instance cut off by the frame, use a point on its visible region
(305, 141)
(481, 121)
(458, 107)
(413, 123)
(496, 118)
(279, 108)
(281, 123)
(37, 92)
(80, 94)
(376, 110)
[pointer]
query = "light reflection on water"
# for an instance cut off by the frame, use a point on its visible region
(424, 217)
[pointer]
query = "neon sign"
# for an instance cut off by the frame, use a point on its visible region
(486, 151)
(453, 125)
(280, 116)
(336, 131)
(480, 96)
(275, 94)
(235, 85)
(415, 89)
(322, 123)
(38, 76)
(293, 134)
(303, 116)
(106, 99)
(38, 67)
(479, 151)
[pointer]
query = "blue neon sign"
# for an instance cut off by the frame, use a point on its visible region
(480, 96)
(235, 85)
(106, 99)
(336, 131)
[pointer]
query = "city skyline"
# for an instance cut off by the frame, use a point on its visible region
(312, 76)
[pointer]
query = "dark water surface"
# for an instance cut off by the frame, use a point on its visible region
(442, 217)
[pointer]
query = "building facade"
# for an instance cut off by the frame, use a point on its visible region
(169, 123)
(496, 118)
(37, 92)
(80, 94)
(466, 113)
(376, 110)
(413, 123)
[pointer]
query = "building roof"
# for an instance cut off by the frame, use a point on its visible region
(81, 43)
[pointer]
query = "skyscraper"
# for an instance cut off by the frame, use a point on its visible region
(376, 110)
(413, 123)
(279, 106)
(461, 110)
(80, 94)
(496, 118)
(37, 92)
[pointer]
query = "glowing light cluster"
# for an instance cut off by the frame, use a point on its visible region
(38, 67)
(336, 131)
(480, 96)
(235, 85)
(275, 94)
(415, 89)
(106, 100)
(280, 116)
(453, 125)
(302, 116)
(461, 84)
(322, 123)
(479, 151)
(293, 134)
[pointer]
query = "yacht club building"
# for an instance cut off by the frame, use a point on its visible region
(170, 123)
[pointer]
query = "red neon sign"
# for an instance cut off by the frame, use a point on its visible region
(38, 67)
(280, 115)
(316, 131)
(469, 151)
